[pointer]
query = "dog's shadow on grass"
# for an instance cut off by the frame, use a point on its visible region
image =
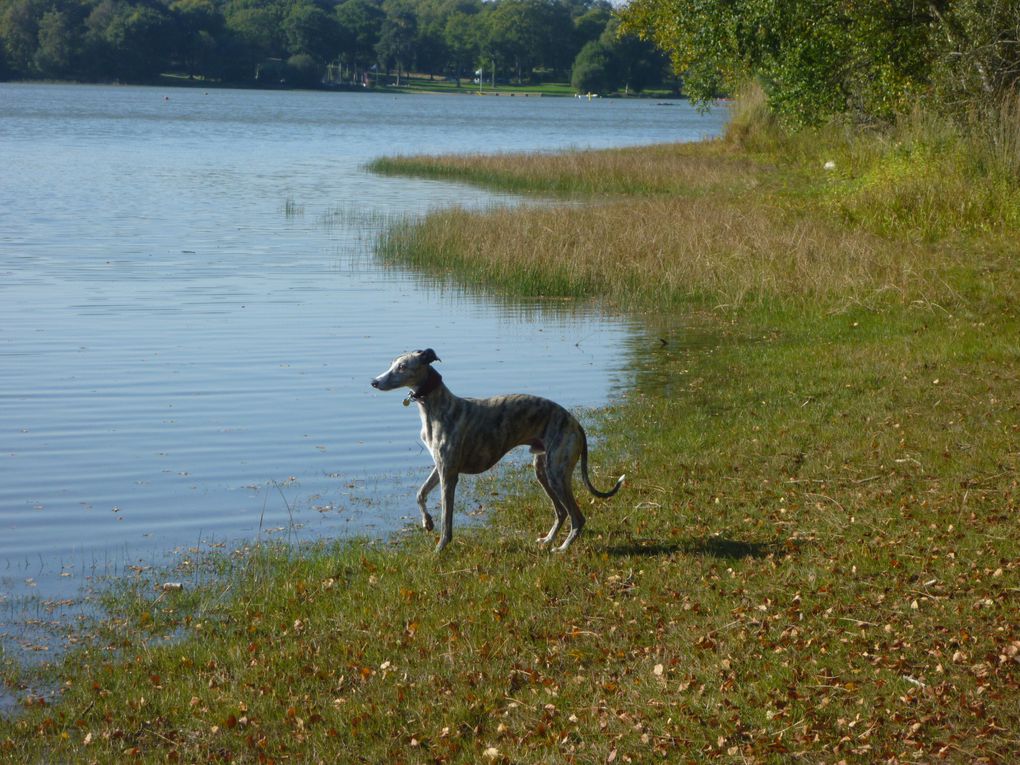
(715, 547)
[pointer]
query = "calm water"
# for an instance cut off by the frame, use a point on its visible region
(190, 314)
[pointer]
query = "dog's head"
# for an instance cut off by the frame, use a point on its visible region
(407, 371)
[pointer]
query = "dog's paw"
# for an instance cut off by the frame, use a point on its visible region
(426, 523)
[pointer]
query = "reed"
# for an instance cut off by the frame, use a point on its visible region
(830, 215)
(752, 126)
(997, 129)
(664, 169)
(663, 251)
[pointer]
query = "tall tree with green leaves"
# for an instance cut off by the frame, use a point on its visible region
(131, 43)
(199, 35)
(360, 26)
(462, 34)
(590, 25)
(19, 34)
(58, 45)
(638, 63)
(311, 31)
(594, 69)
(526, 34)
(815, 58)
(257, 28)
(397, 34)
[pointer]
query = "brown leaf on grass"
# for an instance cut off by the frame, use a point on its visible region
(706, 642)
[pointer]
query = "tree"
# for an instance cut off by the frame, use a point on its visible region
(638, 63)
(199, 29)
(978, 48)
(303, 70)
(129, 43)
(590, 25)
(360, 25)
(141, 41)
(594, 69)
(430, 52)
(461, 35)
(815, 58)
(19, 34)
(396, 39)
(310, 30)
(531, 33)
(257, 28)
(57, 45)
(558, 46)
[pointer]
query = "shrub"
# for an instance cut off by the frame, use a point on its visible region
(303, 71)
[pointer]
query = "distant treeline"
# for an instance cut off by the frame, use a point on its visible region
(307, 42)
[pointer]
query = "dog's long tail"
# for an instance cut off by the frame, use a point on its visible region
(584, 473)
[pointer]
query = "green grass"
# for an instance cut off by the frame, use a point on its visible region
(815, 556)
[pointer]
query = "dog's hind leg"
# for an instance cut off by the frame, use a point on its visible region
(423, 494)
(560, 464)
(561, 513)
(565, 492)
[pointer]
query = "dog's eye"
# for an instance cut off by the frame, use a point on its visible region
(401, 367)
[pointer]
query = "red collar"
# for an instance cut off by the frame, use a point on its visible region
(432, 382)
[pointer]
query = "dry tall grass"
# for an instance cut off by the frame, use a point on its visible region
(751, 121)
(761, 215)
(999, 130)
(663, 250)
(663, 169)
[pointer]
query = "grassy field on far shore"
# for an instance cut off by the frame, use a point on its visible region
(816, 556)
(440, 85)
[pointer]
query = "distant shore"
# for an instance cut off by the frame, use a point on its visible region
(423, 85)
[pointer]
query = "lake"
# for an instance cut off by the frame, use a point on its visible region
(190, 313)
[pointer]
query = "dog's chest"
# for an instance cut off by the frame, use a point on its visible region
(428, 434)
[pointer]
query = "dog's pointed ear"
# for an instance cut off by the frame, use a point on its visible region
(429, 355)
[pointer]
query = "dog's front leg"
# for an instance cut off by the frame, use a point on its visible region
(448, 479)
(423, 494)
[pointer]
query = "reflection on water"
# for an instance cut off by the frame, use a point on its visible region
(190, 314)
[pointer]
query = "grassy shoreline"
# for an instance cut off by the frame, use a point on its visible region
(816, 554)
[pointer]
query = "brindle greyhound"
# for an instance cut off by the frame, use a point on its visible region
(467, 435)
